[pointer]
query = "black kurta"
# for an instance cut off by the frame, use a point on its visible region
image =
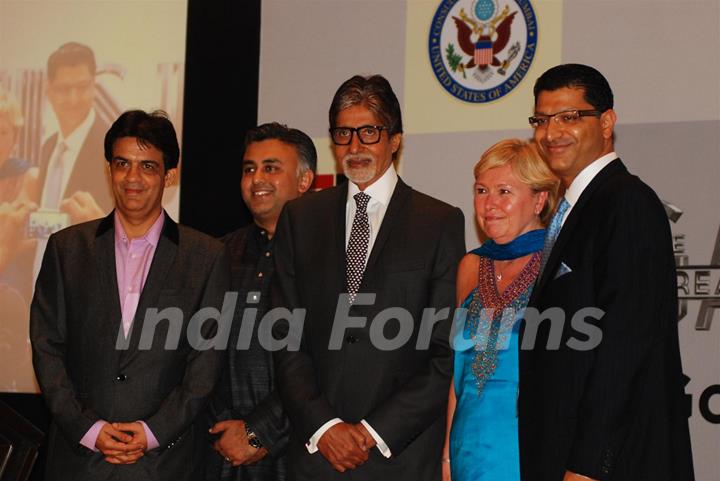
(246, 388)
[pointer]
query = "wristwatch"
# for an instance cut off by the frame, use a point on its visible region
(252, 438)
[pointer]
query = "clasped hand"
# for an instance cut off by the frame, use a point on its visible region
(122, 443)
(346, 446)
(233, 443)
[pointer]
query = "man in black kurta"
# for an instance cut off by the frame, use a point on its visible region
(250, 428)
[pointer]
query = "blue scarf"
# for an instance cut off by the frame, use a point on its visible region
(522, 245)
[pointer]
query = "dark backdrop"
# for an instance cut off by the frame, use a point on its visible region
(221, 87)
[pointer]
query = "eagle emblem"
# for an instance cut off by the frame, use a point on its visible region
(490, 38)
(482, 55)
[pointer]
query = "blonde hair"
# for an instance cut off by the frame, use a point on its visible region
(527, 164)
(10, 108)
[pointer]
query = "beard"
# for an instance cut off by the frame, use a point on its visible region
(359, 174)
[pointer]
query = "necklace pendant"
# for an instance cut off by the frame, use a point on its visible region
(498, 277)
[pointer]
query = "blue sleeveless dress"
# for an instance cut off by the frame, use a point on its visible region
(484, 434)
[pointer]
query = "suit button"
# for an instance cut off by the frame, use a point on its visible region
(351, 339)
(121, 377)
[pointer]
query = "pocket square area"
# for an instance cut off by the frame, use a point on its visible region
(562, 270)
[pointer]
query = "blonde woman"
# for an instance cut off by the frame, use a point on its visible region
(18, 180)
(514, 197)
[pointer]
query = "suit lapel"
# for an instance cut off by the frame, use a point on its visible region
(163, 259)
(104, 253)
(46, 153)
(339, 250)
(397, 202)
(90, 172)
(571, 222)
(79, 177)
(395, 208)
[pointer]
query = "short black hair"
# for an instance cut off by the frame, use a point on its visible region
(152, 128)
(69, 55)
(297, 138)
(597, 91)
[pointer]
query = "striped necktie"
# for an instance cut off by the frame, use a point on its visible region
(552, 232)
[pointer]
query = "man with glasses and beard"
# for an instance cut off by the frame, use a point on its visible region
(358, 406)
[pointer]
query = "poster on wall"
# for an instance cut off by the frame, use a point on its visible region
(67, 71)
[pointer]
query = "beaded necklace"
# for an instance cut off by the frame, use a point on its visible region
(492, 315)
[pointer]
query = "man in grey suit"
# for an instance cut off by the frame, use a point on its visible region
(83, 192)
(71, 176)
(362, 405)
(119, 345)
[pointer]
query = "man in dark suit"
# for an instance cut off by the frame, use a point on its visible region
(278, 165)
(84, 192)
(372, 262)
(120, 348)
(602, 397)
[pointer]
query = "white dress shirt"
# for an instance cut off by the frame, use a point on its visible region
(380, 193)
(74, 143)
(583, 179)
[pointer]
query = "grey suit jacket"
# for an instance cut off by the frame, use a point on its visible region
(402, 391)
(89, 173)
(74, 325)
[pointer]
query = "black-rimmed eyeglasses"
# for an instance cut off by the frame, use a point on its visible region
(566, 117)
(367, 134)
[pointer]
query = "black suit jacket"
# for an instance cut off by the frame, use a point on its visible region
(74, 324)
(617, 411)
(400, 392)
(89, 171)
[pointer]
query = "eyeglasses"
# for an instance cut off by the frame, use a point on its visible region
(66, 89)
(565, 118)
(367, 134)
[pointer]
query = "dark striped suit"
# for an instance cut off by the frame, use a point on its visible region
(618, 411)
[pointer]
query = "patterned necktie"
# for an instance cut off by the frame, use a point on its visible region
(358, 245)
(54, 180)
(552, 232)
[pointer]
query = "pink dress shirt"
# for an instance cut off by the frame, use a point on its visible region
(133, 258)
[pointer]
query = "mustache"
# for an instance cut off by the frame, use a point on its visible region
(261, 186)
(359, 156)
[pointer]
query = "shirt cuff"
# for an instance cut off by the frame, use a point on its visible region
(312, 444)
(90, 438)
(384, 449)
(152, 441)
